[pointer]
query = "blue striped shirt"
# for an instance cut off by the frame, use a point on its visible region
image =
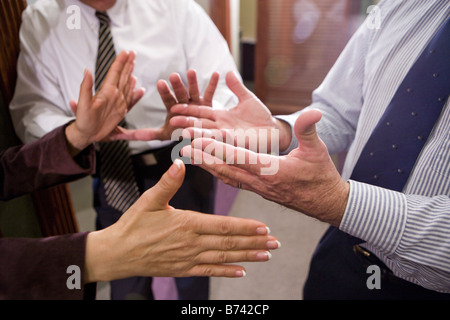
(408, 230)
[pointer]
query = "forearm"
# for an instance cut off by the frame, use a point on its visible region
(408, 230)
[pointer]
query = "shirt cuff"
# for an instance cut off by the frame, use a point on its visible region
(290, 120)
(375, 215)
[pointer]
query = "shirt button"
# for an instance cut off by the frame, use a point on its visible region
(414, 114)
(394, 146)
(399, 170)
(375, 177)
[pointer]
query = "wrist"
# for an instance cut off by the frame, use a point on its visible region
(99, 261)
(336, 204)
(76, 141)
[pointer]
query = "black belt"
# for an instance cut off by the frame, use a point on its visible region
(367, 259)
(154, 157)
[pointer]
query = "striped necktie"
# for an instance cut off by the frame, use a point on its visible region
(116, 169)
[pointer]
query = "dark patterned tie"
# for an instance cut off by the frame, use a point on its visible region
(394, 146)
(116, 169)
(387, 161)
(396, 142)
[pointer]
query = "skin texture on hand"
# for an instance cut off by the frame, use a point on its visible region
(182, 95)
(97, 116)
(250, 113)
(306, 179)
(154, 239)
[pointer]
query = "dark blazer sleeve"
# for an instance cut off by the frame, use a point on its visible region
(42, 164)
(38, 268)
(42, 269)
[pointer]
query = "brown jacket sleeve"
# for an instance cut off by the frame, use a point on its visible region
(42, 164)
(38, 268)
(43, 269)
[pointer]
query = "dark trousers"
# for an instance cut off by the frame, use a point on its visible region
(197, 193)
(339, 271)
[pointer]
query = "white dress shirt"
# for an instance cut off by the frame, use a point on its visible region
(409, 231)
(167, 35)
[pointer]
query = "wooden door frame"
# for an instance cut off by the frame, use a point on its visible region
(219, 11)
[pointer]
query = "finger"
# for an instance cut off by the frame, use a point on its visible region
(229, 174)
(216, 264)
(115, 71)
(218, 225)
(186, 122)
(195, 133)
(86, 87)
(239, 157)
(219, 257)
(125, 77)
(132, 87)
(137, 96)
(166, 94)
(158, 197)
(211, 88)
(194, 92)
(179, 89)
(237, 242)
(218, 270)
(129, 90)
(193, 110)
(305, 128)
(237, 87)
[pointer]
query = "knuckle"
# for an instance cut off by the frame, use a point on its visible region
(221, 170)
(165, 185)
(207, 271)
(229, 243)
(224, 228)
(221, 257)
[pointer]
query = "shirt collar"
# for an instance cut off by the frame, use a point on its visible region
(115, 13)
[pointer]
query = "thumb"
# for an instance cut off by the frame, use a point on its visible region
(305, 128)
(87, 84)
(237, 87)
(158, 197)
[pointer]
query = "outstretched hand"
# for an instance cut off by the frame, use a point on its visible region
(305, 180)
(154, 239)
(250, 113)
(180, 94)
(98, 116)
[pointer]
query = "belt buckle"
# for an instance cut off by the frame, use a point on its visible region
(357, 249)
(149, 159)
